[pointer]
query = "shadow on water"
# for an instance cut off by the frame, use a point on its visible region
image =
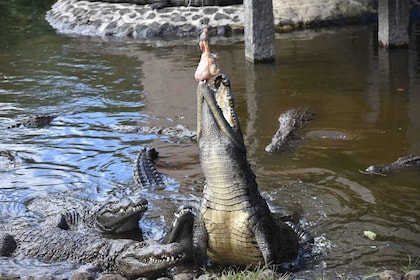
(366, 101)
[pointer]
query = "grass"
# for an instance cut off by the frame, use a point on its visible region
(345, 276)
(257, 273)
(411, 265)
(264, 272)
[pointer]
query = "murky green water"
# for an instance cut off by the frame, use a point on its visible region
(367, 103)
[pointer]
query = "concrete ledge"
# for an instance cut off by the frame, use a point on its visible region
(140, 21)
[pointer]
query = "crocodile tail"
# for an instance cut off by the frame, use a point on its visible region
(305, 255)
(304, 237)
(144, 170)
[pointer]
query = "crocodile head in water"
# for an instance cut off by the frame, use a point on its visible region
(148, 259)
(177, 247)
(111, 217)
(120, 216)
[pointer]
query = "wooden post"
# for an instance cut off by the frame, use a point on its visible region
(393, 18)
(259, 31)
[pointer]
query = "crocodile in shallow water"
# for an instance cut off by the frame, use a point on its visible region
(236, 225)
(179, 132)
(289, 122)
(407, 162)
(76, 213)
(34, 121)
(129, 258)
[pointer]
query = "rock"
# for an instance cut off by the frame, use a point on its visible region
(390, 275)
(111, 277)
(268, 274)
(183, 276)
(82, 276)
(205, 276)
(412, 275)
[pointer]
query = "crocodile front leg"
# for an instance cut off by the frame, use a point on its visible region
(200, 242)
(277, 241)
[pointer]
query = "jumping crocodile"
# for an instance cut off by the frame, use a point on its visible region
(75, 213)
(128, 258)
(235, 224)
(159, 4)
(407, 162)
(289, 122)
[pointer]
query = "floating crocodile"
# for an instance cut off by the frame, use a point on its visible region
(75, 213)
(129, 258)
(235, 224)
(178, 132)
(407, 162)
(159, 4)
(34, 121)
(289, 122)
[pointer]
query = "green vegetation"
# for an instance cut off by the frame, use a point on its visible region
(22, 20)
(411, 265)
(257, 273)
(264, 272)
(349, 276)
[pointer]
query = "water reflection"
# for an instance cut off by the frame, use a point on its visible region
(366, 101)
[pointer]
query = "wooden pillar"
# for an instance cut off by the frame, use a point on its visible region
(393, 18)
(259, 31)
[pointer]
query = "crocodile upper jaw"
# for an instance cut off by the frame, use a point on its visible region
(149, 258)
(221, 105)
(121, 216)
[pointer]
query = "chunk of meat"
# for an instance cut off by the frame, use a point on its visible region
(207, 67)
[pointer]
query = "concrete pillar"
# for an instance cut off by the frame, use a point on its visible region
(259, 30)
(393, 18)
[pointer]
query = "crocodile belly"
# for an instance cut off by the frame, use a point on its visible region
(230, 238)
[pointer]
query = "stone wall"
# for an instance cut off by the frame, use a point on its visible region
(140, 21)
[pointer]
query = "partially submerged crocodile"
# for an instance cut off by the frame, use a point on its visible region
(159, 4)
(236, 225)
(73, 213)
(289, 122)
(129, 258)
(407, 162)
(177, 132)
(34, 121)
(126, 257)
